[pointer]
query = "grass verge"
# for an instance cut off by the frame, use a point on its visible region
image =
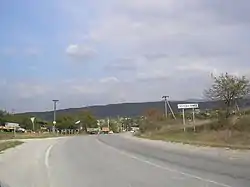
(237, 140)
(9, 144)
(7, 136)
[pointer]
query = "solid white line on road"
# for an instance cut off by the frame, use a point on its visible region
(165, 168)
(46, 161)
(47, 153)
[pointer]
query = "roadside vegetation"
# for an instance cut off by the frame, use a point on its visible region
(66, 125)
(227, 126)
(11, 135)
(8, 144)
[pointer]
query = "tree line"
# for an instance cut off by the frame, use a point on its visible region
(67, 121)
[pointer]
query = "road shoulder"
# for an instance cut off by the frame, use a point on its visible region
(193, 149)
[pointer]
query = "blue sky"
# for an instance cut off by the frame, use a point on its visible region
(94, 52)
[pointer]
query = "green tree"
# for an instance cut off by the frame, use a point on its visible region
(26, 123)
(88, 120)
(2, 117)
(65, 122)
(114, 126)
(228, 88)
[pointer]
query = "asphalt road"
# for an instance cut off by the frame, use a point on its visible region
(115, 160)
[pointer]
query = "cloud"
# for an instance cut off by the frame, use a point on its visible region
(109, 80)
(80, 51)
(152, 76)
(122, 64)
(152, 47)
(29, 90)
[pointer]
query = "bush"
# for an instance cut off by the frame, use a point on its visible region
(149, 126)
(242, 124)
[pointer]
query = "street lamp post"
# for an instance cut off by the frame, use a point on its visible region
(54, 121)
(165, 105)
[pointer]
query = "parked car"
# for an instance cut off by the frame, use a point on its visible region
(21, 130)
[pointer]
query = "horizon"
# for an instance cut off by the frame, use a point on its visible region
(103, 105)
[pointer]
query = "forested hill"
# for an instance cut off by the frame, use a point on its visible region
(132, 109)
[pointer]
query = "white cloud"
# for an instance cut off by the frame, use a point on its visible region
(109, 80)
(80, 51)
(28, 90)
(152, 75)
(152, 47)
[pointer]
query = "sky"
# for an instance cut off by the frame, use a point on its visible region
(91, 52)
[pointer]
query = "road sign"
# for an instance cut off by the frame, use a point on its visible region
(33, 124)
(77, 122)
(186, 106)
(54, 122)
(32, 119)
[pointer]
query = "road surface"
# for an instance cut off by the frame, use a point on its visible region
(120, 161)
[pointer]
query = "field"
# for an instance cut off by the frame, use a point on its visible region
(232, 133)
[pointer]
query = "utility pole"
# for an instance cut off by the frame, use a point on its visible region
(54, 121)
(171, 109)
(165, 105)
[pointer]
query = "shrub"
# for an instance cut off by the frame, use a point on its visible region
(242, 124)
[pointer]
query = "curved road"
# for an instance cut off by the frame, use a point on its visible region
(119, 160)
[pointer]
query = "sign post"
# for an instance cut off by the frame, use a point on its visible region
(183, 118)
(187, 106)
(194, 119)
(33, 122)
(54, 126)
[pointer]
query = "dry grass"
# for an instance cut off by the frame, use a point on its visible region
(208, 133)
(8, 144)
(237, 140)
(6, 136)
(10, 135)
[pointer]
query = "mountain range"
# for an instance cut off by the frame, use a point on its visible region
(134, 109)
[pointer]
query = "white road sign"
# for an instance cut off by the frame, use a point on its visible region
(186, 106)
(77, 122)
(32, 119)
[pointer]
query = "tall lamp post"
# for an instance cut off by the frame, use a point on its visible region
(165, 105)
(54, 121)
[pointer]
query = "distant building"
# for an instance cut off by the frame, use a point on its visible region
(12, 125)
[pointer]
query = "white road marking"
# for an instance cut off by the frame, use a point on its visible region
(165, 168)
(47, 153)
(46, 161)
